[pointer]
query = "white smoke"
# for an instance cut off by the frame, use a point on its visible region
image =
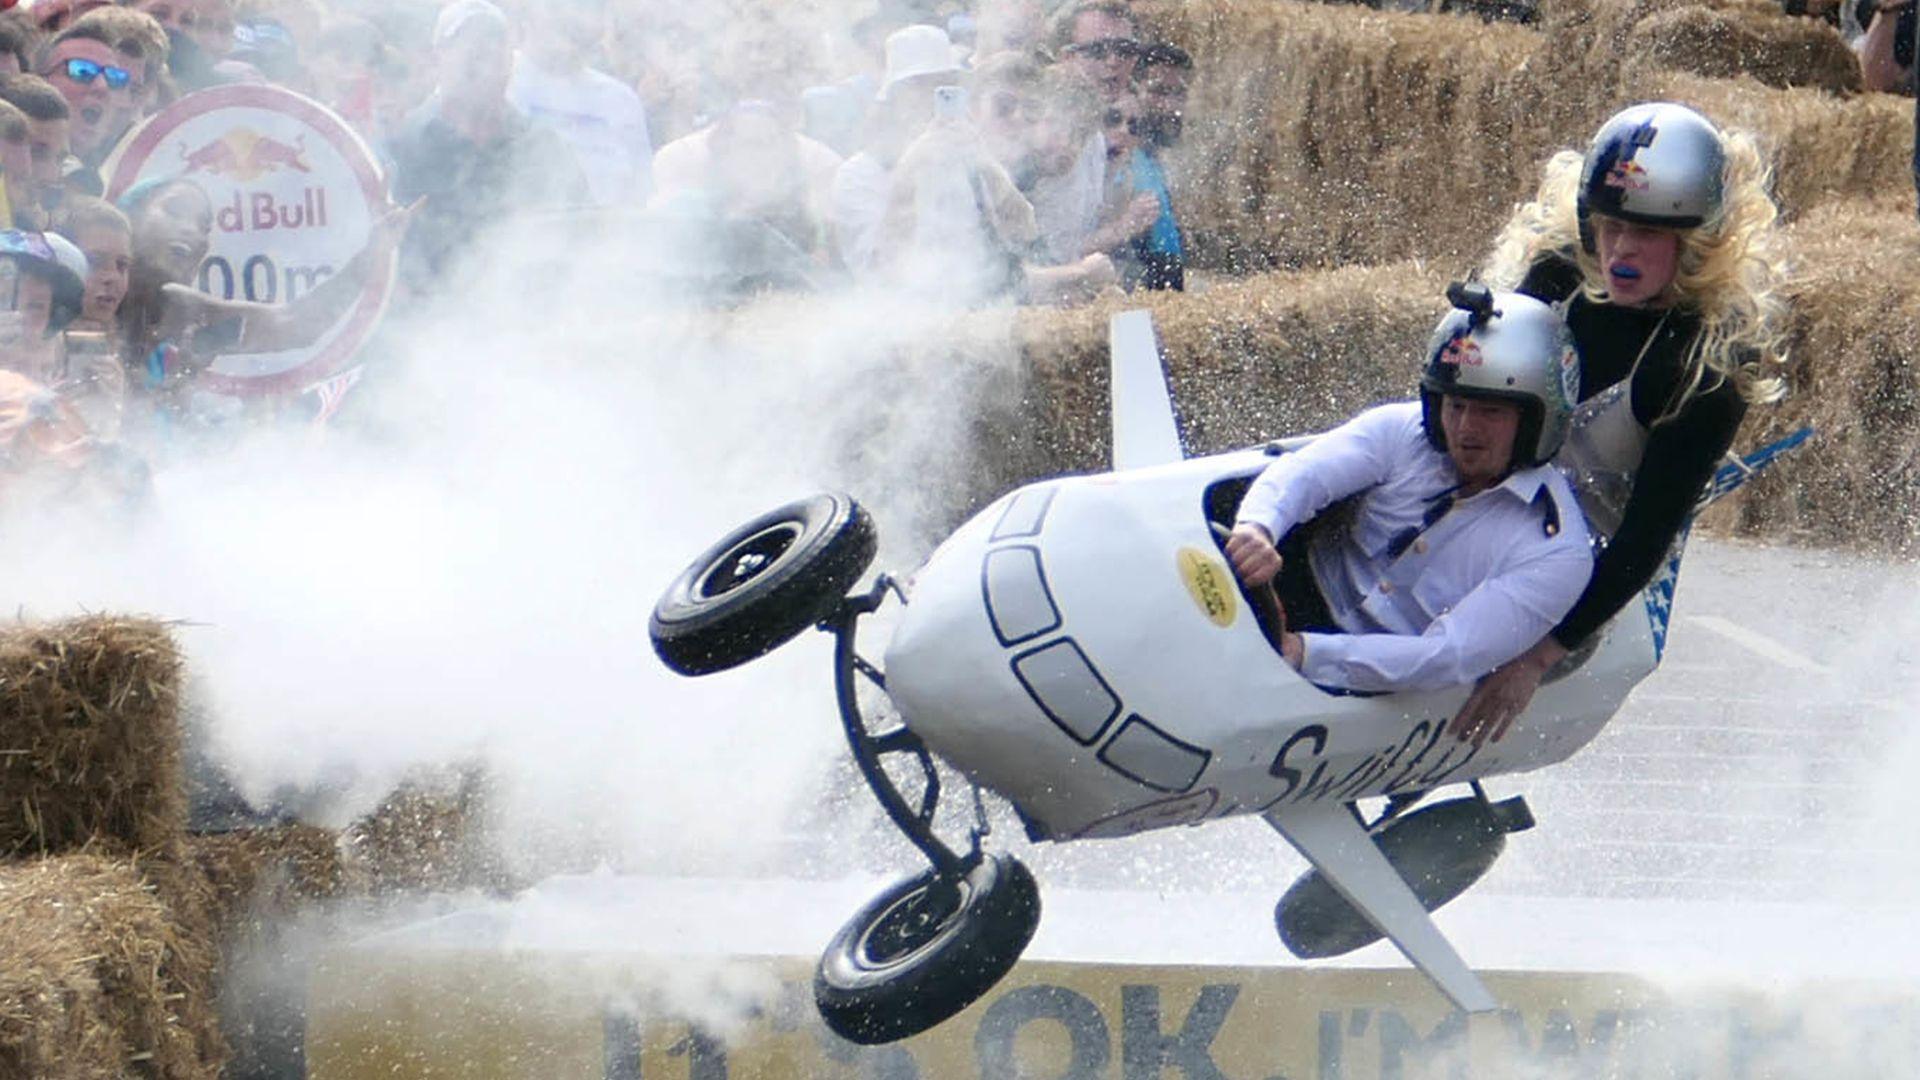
(470, 574)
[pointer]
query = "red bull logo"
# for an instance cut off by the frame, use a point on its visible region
(245, 155)
(1627, 176)
(1462, 351)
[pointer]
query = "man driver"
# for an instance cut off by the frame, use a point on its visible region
(1464, 544)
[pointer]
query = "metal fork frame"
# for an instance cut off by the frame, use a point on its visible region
(869, 748)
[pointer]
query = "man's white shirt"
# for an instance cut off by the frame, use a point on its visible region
(1423, 607)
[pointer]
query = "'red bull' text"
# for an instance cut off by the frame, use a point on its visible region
(259, 211)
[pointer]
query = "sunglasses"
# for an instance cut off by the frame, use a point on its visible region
(1115, 118)
(83, 71)
(1105, 47)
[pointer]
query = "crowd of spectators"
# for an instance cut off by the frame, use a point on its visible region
(968, 151)
(964, 151)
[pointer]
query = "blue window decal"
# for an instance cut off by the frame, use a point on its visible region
(1144, 753)
(1018, 600)
(1062, 681)
(1025, 514)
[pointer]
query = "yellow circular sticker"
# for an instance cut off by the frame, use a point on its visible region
(1210, 584)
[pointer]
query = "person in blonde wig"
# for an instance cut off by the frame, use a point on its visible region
(1660, 242)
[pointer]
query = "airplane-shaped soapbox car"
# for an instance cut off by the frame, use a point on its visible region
(1082, 648)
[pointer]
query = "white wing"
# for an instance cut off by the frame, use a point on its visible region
(1333, 841)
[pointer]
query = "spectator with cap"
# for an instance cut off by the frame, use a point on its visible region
(40, 290)
(600, 117)
(474, 158)
(919, 60)
(47, 141)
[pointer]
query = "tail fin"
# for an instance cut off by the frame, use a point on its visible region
(1144, 432)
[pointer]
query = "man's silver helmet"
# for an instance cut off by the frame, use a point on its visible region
(1654, 164)
(1504, 346)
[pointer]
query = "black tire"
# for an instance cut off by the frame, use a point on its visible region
(762, 584)
(1441, 850)
(912, 959)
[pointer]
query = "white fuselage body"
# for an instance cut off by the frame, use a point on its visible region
(1080, 647)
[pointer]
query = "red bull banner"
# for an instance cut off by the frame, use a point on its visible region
(295, 194)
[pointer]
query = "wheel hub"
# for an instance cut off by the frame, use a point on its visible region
(911, 924)
(748, 559)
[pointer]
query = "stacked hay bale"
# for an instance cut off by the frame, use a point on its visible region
(1272, 355)
(1855, 377)
(110, 960)
(1319, 135)
(1615, 43)
(100, 980)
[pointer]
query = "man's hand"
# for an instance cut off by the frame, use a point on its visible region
(1504, 694)
(1250, 549)
(1293, 649)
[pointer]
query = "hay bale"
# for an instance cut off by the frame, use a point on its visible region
(429, 836)
(255, 876)
(99, 981)
(1319, 135)
(1758, 41)
(1823, 149)
(90, 745)
(1855, 376)
(1614, 44)
(1276, 354)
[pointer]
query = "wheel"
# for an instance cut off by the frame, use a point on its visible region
(924, 950)
(761, 584)
(1440, 850)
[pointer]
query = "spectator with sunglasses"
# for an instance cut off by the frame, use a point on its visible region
(100, 85)
(133, 33)
(1099, 39)
(1138, 228)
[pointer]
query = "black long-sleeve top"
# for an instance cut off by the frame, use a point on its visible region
(1682, 452)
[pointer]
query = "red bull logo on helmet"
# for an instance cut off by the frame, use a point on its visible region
(1462, 351)
(1627, 176)
(244, 155)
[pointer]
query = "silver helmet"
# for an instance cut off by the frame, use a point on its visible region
(1505, 347)
(1653, 164)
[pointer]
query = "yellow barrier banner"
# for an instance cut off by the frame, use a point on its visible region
(494, 1016)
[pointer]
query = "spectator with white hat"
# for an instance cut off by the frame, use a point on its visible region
(919, 59)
